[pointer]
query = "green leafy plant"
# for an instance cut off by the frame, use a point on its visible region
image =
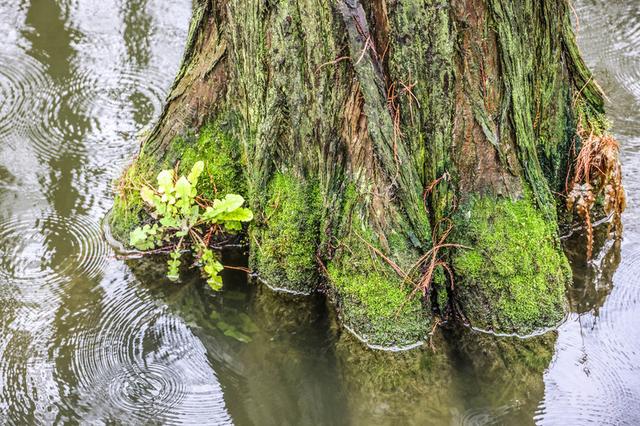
(184, 221)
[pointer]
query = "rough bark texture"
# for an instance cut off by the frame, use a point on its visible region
(367, 133)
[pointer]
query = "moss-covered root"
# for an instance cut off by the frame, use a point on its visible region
(512, 278)
(285, 243)
(374, 299)
(375, 305)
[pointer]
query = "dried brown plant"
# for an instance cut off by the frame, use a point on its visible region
(597, 174)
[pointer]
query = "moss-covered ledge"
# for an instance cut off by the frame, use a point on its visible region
(368, 277)
(511, 278)
(378, 307)
(223, 173)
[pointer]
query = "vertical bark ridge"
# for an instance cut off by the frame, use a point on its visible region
(199, 89)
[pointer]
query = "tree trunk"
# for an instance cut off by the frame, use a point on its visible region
(386, 145)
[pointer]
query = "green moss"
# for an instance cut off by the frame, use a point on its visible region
(125, 216)
(127, 210)
(374, 301)
(439, 285)
(222, 157)
(377, 305)
(288, 239)
(512, 279)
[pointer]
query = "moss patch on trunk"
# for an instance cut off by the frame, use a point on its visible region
(512, 279)
(374, 299)
(222, 158)
(222, 174)
(127, 210)
(285, 245)
(377, 306)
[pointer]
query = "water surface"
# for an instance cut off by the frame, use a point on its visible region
(88, 338)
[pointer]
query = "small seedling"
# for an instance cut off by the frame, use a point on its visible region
(183, 221)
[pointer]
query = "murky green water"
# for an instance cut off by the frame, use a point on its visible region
(87, 338)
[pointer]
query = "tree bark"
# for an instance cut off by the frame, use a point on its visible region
(386, 145)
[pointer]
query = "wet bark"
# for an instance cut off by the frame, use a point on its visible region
(385, 145)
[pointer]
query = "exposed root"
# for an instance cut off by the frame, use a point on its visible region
(597, 174)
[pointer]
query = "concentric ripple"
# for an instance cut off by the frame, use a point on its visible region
(142, 363)
(21, 76)
(588, 383)
(50, 249)
(594, 376)
(56, 124)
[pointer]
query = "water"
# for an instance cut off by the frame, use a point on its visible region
(88, 338)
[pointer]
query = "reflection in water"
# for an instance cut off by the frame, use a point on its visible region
(73, 332)
(87, 337)
(283, 359)
(592, 281)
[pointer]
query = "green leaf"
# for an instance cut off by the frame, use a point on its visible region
(148, 195)
(240, 215)
(151, 230)
(168, 199)
(231, 202)
(139, 238)
(165, 181)
(215, 283)
(206, 254)
(194, 214)
(228, 204)
(196, 171)
(183, 188)
(136, 236)
(213, 267)
(169, 222)
(210, 215)
(173, 272)
(233, 226)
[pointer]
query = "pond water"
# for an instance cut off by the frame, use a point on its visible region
(88, 338)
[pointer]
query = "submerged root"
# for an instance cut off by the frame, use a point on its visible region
(597, 177)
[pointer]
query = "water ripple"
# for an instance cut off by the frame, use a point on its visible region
(21, 77)
(29, 244)
(142, 363)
